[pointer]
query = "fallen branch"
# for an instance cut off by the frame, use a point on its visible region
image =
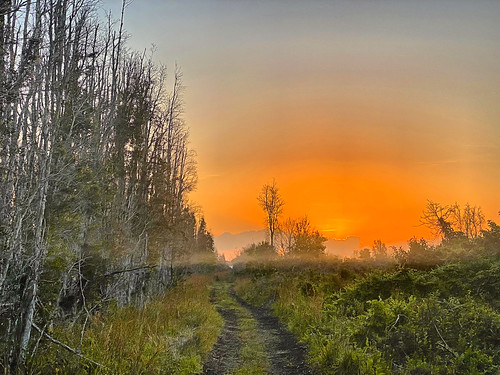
(396, 322)
(445, 344)
(68, 348)
(129, 270)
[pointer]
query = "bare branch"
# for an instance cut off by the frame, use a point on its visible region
(130, 270)
(68, 348)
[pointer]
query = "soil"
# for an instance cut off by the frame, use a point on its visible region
(224, 356)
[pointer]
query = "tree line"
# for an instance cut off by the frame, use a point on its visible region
(463, 229)
(95, 169)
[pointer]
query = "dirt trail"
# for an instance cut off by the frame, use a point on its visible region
(286, 355)
(224, 356)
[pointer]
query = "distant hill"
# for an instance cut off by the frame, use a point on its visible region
(343, 247)
(231, 244)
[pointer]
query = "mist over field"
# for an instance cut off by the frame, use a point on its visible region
(230, 244)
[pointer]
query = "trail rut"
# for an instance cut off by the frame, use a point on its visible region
(285, 354)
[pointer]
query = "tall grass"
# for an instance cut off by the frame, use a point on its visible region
(169, 335)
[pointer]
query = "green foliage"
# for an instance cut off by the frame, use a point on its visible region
(421, 254)
(455, 247)
(490, 239)
(255, 255)
(440, 321)
(364, 253)
(379, 250)
(300, 239)
(260, 250)
(204, 239)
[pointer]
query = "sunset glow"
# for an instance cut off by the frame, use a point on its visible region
(361, 111)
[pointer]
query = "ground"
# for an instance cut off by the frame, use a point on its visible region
(253, 341)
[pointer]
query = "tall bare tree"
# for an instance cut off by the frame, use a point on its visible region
(272, 203)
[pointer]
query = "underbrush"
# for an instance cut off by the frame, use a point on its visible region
(442, 321)
(170, 335)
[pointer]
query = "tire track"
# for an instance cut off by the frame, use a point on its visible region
(286, 354)
(224, 356)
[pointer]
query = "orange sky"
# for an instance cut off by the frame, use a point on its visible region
(361, 111)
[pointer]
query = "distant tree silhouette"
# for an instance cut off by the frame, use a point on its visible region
(453, 221)
(419, 254)
(364, 253)
(204, 239)
(261, 249)
(379, 250)
(307, 240)
(271, 202)
(287, 234)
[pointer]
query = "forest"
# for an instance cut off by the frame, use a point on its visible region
(95, 166)
(106, 267)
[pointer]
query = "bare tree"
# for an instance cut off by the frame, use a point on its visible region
(272, 203)
(452, 220)
(287, 234)
(437, 218)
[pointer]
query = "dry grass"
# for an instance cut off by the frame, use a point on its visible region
(170, 335)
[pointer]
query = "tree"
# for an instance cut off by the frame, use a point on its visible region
(436, 217)
(255, 253)
(307, 240)
(379, 250)
(204, 239)
(95, 168)
(453, 221)
(272, 203)
(259, 250)
(287, 229)
(400, 255)
(491, 239)
(421, 255)
(364, 253)
(469, 220)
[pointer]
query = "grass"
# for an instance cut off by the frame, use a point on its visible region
(170, 335)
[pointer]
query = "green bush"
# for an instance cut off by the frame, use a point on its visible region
(439, 321)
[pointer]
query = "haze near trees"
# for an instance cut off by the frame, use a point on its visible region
(106, 267)
(296, 237)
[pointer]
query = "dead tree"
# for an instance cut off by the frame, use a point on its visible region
(272, 203)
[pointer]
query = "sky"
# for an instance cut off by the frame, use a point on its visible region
(360, 110)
